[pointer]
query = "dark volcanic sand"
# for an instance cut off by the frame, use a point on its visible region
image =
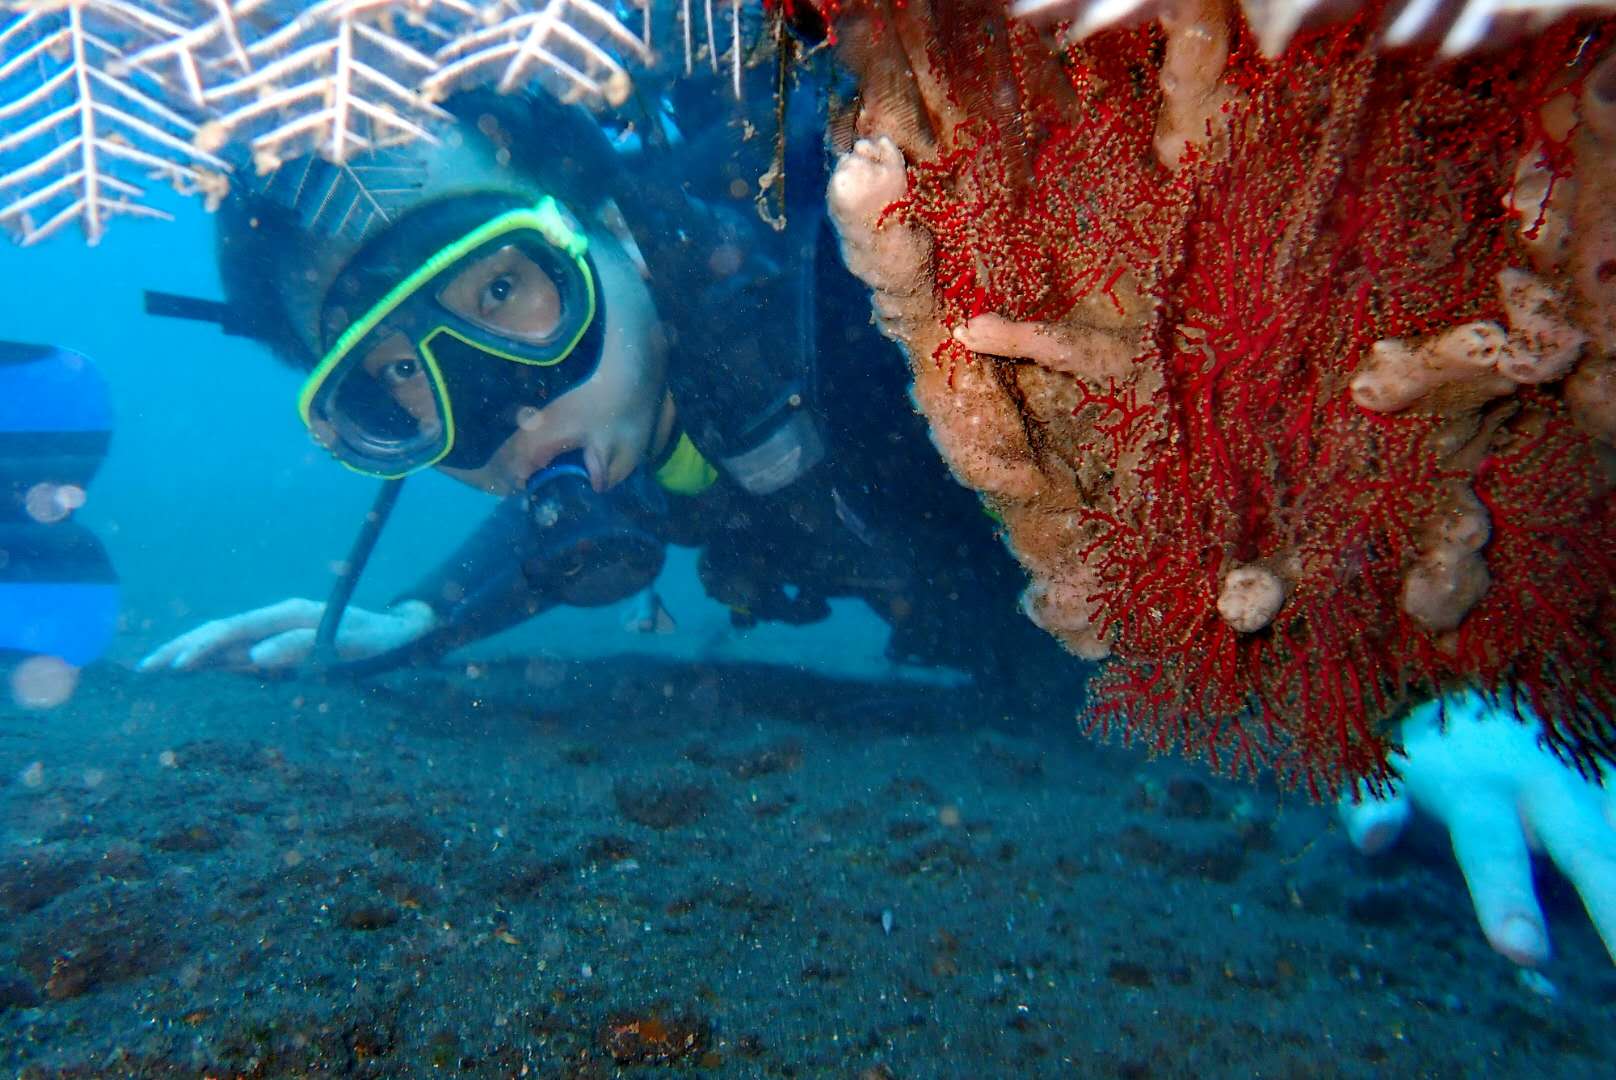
(620, 868)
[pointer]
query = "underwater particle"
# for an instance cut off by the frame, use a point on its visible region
(725, 260)
(886, 920)
(49, 503)
(43, 682)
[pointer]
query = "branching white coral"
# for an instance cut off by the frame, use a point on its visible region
(97, 94)
(336, 78)
(555, 42)
(79, 127)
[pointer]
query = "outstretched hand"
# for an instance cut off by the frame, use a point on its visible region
(281, 635)
(1500, 795)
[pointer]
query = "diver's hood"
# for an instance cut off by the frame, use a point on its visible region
(342, 208)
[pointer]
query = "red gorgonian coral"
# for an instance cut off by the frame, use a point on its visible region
(1291, 377)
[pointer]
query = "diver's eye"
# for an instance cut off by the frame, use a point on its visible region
(400, 371)
(498, 291)
(508, 293)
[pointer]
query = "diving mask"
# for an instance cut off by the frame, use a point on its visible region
(503, 313)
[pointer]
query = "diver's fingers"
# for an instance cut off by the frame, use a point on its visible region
(1373, 823)
(1490, 846)
(197, 641)
(163, 655)
(202, 643)
(250, 627)
(283, 650)
(1573, 821)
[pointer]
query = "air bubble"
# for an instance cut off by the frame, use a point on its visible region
(49, 503)
(43, 682)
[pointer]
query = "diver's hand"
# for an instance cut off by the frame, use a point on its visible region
(1499, 793)
(282, 635)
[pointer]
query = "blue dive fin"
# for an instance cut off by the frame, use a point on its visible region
(55, 422)
(58, 591)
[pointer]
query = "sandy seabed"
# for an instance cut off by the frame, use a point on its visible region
(628, 868)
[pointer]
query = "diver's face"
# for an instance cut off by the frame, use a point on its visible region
(611, 415)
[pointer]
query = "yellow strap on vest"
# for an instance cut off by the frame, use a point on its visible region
(686, 472)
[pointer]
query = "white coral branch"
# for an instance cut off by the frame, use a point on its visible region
(558, 41)
(158, 87)
(214, 43)
(79, 125)
(327, 79)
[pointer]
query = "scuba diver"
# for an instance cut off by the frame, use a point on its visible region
(58, 592)
(605, 333)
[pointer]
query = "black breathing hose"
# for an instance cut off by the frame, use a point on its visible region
(324, 657)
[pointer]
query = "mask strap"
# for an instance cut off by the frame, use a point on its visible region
(169, 305)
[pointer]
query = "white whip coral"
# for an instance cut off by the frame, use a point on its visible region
(79, 127)
(98, 95)
(555, 42)
(336, 78)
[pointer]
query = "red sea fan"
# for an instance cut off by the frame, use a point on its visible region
(1291, 377)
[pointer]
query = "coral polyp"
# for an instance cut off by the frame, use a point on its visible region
(1290, 376)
